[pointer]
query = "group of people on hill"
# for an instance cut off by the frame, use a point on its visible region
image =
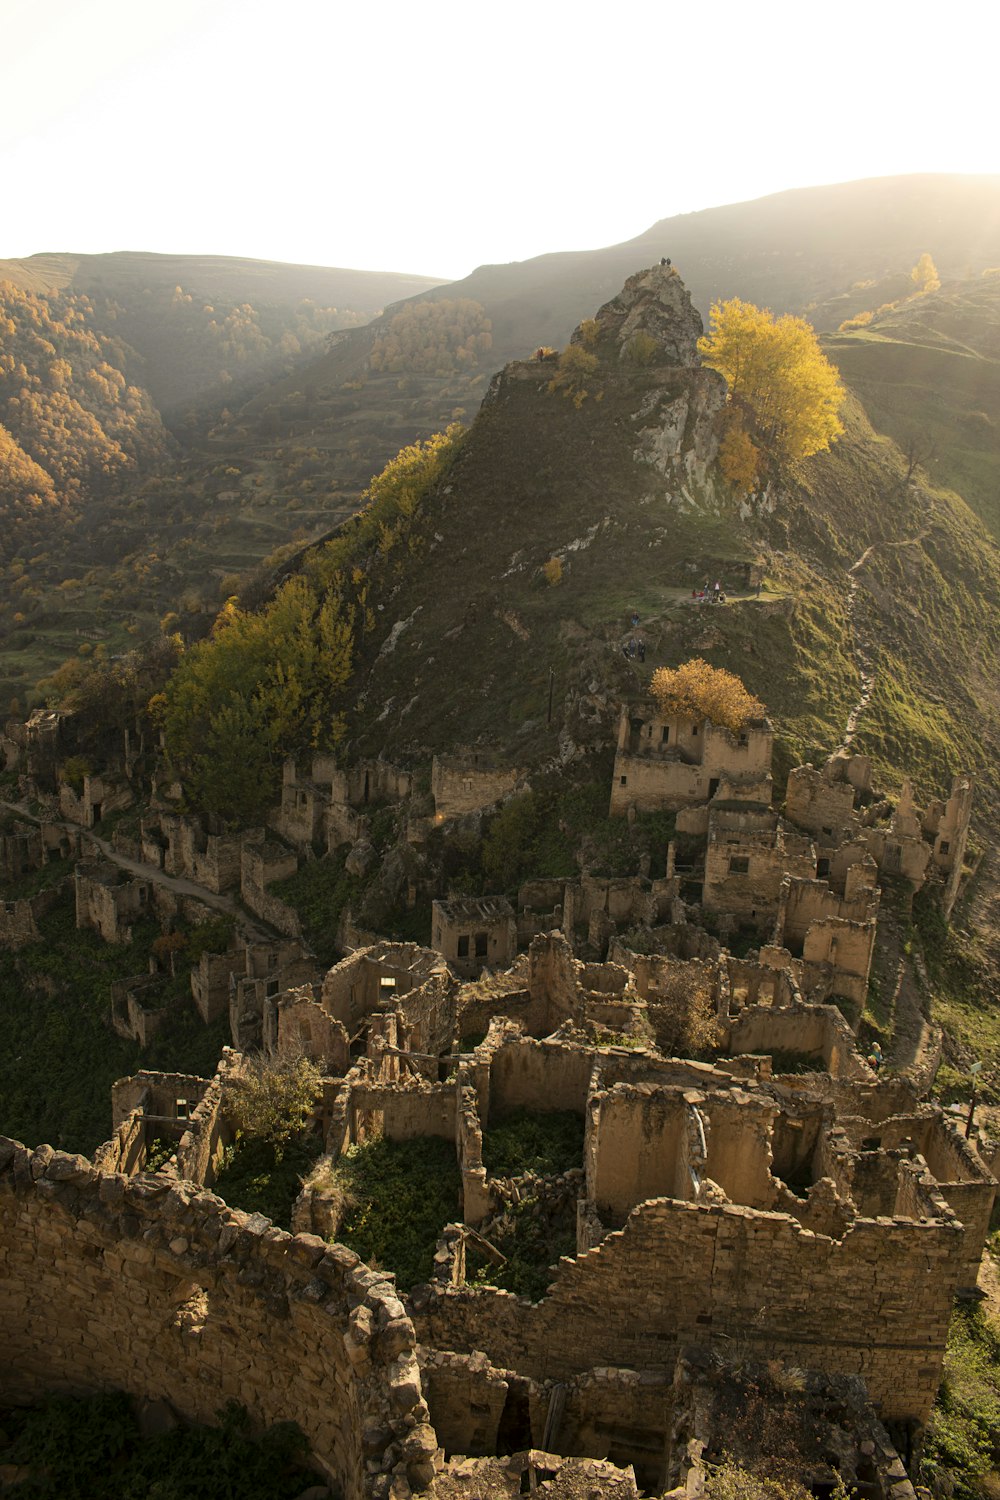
(716, 594)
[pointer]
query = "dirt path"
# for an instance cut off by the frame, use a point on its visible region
(865, 654)
(180, 885)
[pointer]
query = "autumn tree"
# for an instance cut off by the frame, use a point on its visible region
(576, 367)
(924, 274)
(776, 371)
(272, 1101)
(700, 690)
(739, 458)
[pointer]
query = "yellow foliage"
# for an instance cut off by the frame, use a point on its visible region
(433, 337)
(739, 458)
(589, 332)
(924, 274)
(860, 320)
(775, 367)
(703, 691)
(553, 571)
(575, 366)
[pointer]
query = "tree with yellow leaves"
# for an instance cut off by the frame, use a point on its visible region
(776, 371)
(702, 691)
(924, 274)
(739, 459)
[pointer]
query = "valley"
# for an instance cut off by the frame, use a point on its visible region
(499, 893)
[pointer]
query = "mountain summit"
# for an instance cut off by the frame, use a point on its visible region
(653, 304)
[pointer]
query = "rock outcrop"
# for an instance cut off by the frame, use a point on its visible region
(654, 302)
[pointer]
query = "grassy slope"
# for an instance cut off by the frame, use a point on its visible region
(537, 475)
(930, 371)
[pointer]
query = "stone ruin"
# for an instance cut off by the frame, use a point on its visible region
(773, 1206)
(727, 1216)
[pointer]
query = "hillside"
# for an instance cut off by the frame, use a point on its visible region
(279, 441)
(928, 373)
(623, 491)
(785, 251)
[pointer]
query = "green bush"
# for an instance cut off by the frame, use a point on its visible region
(532, 1238)
(91, 1449)
(399, 1196)
(261, 1179)
(963, 1436)
(531, 1141)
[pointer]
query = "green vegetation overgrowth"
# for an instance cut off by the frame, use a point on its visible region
(398, 1196)
(319, 891)
(261, 1178)
(269, 684)
(60, 1056)
(538, 835)
(532, 1238)
(963, 1436)
(91, 1448)
(543, 1142)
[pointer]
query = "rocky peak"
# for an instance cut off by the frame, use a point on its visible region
(655, 303)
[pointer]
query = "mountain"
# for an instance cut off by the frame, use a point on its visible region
(620, 488)
(785, 251)
(283, 411)
(928, 373)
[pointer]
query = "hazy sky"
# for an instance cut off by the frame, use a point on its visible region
(433, 137)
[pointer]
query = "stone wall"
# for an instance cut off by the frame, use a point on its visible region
(164, 1292)
(671, 761)
(213, 860)
(19, 919)
(527, 1074)
(821, 805)
(876, 1303)
(469, 781)
(400, 1114)
(107, 906)
(260, 864)
(818, 1032)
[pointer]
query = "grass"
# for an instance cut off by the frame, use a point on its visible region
(318, 892)
(91, 1448)
(399, 1195)
(963, 1437)
(260, 1179)
(532, 1141)
(532, 1238)
(963, 1002)
(60, 1056)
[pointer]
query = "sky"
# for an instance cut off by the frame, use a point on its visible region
(434, 137)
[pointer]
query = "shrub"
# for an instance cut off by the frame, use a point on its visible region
(553, 571)
(641, 348)
(272, 1101)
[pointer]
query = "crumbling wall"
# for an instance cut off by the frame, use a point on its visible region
(547, 1075)
(19, 919)
(105, 905)
(260, 865)
(823, 806)
(469, 781)
(810, 1031)
(305, 1028)
(876, 1304)
(636, 1148)
(164, 1292)
(401, 1113)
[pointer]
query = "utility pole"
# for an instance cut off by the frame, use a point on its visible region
(552, 678)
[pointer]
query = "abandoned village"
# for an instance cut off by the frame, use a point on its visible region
(782, 1207)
